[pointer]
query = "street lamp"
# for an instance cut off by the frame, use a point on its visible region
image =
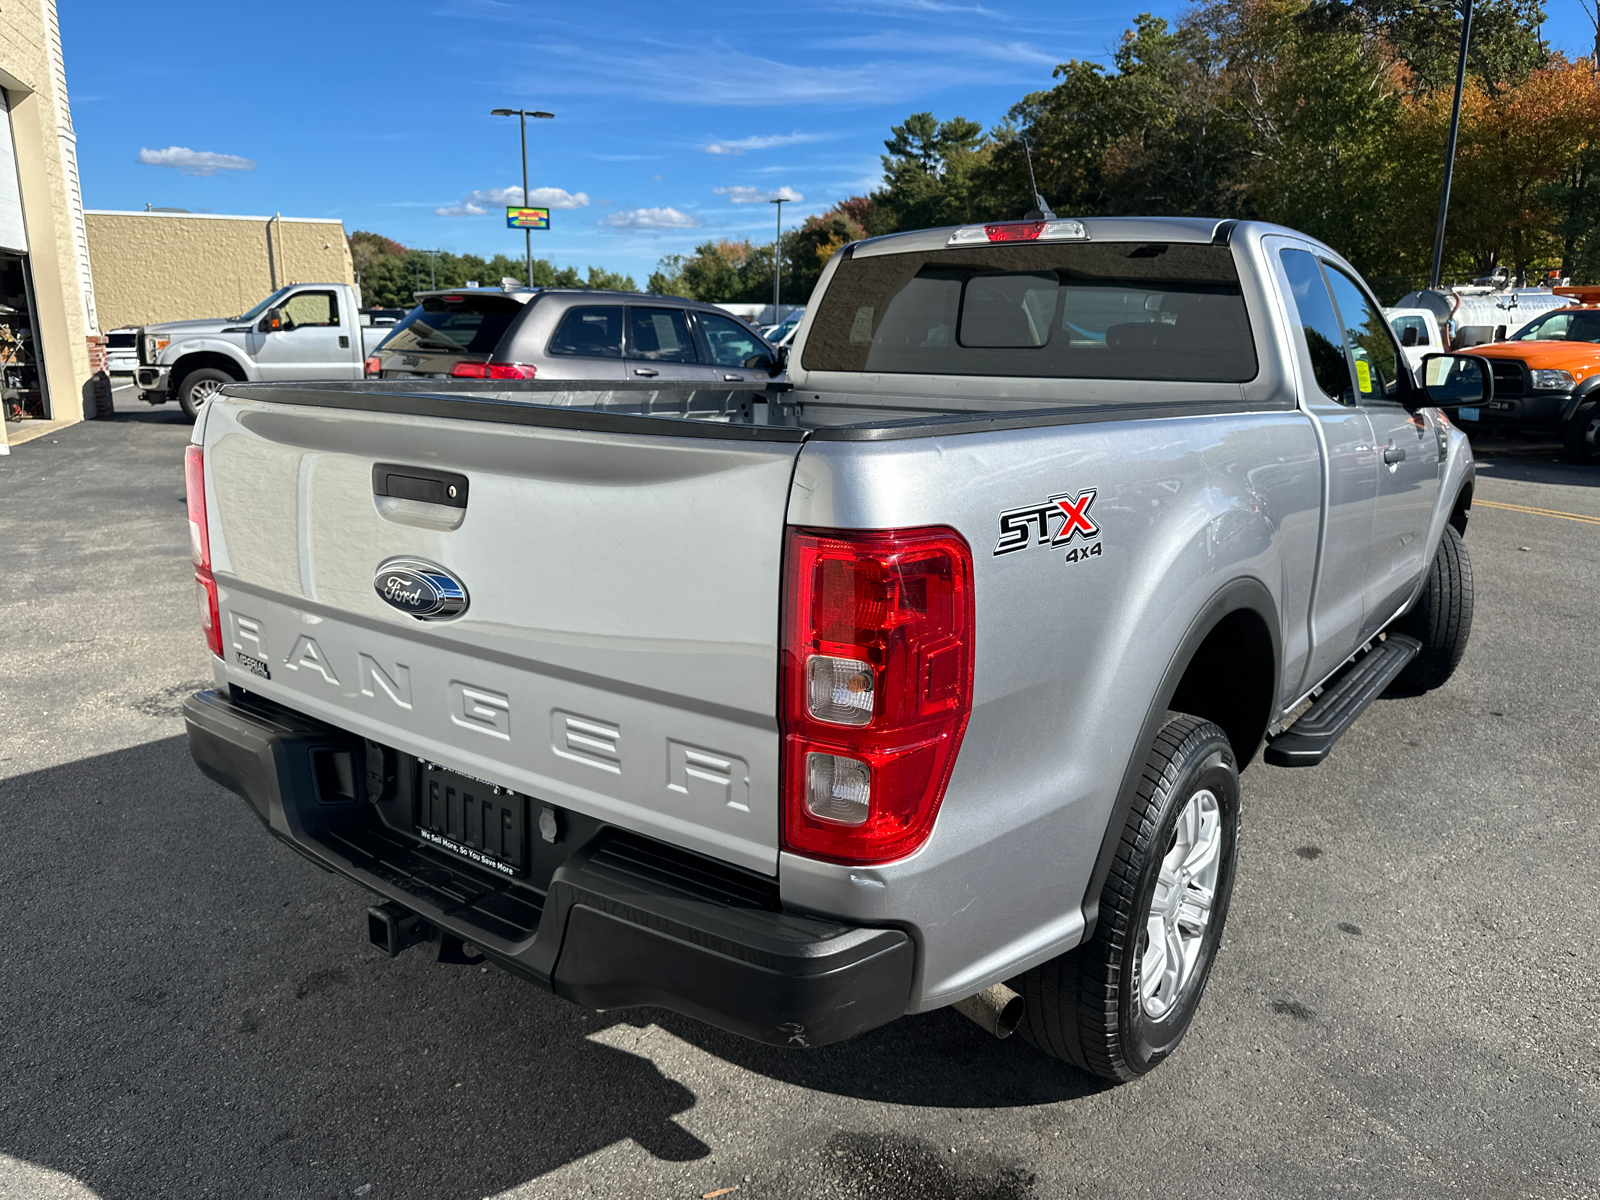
(522, 115)
(777, 260)
(1450, 146)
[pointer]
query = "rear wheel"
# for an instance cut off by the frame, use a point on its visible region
(199, 386)
(1441, 619)
(1581, 438)
(1120, 1003)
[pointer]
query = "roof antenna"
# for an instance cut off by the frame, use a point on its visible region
(1040, 210)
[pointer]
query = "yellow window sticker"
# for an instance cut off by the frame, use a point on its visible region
(1364, 376)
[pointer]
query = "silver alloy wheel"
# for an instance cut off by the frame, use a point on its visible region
(203, 391)
(1180, 910)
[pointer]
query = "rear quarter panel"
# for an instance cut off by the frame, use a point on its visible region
(1069, 654)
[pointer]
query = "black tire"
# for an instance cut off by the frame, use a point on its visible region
(203, 380)
(1086, 1006)
(1580, 440)
(1441, 619)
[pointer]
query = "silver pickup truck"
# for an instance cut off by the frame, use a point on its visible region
(301, 332)
(925, 679)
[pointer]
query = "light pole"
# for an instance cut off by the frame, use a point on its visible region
(1450, 147)
(522, 115)
(777, 261)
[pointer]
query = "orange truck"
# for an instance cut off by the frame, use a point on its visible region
(1547, 378)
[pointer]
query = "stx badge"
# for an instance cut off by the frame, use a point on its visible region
(1018, 525)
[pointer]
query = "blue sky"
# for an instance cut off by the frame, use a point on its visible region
(673, 122)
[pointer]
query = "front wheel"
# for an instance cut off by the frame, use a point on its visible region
(1580, 440)
(199, 386)
(1441, 619)
(1120, 1003)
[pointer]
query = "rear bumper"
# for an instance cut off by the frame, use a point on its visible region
(605, 918)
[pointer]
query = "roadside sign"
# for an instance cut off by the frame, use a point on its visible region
(527, 218)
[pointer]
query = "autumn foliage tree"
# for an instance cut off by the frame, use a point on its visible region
(1328, 116)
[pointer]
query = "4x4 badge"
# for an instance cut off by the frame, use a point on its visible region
(1017, 525)
(420, 589)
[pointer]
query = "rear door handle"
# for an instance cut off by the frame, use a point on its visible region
(646, 371)
(1393, 455)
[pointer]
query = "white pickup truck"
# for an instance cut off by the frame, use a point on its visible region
(301, 332)
(927, 680)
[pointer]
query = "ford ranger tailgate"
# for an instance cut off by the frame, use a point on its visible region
(617, 653)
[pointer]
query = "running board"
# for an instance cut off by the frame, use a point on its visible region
(1307, 742)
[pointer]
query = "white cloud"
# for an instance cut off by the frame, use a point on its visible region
(740, 145)
(1014, 51)
(653, 218)
(750, 195)
(487, 199)
(195, 162)
(745, 80)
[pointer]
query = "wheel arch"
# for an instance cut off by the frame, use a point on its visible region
(197, 359)
(1225, 669)
(1461, 509)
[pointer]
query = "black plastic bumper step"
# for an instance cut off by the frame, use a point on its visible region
(1307, 742)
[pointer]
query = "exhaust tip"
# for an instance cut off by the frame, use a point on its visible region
(998, 1010)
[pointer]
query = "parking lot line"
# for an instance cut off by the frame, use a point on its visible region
(1538, 512)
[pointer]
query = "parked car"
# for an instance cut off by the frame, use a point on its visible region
(926, 680)
(570, 333)
(777, 334)
(1547, 379)
(301, 332)
(122, 351)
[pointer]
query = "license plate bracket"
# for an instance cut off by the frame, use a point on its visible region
(480, 822)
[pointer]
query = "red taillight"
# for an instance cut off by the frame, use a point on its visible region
(470, 370)
(372, 367)
(194, 478)
(877, 687)
(1014, 231)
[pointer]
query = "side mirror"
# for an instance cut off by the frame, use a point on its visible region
(1499, 333)
(271, 321)
(1451, 380)
(762, 362)
(1409, 337)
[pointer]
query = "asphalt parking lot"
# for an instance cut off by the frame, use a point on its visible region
(1405, 1004)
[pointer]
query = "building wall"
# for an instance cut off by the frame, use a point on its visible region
(151, 267)
(34, 76)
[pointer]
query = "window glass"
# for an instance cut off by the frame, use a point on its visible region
(252, 314)
(660, 335)
(318, 309)
(592, 330)
(1012, 311)
(732, 345)
(1320, 325)
(1377, 361)
(1107, 310)
(121, 341)
(1563, 327)
(464, 324)
(1415, 327)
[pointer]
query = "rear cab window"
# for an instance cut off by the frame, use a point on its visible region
(464, 325)
(1110, 310)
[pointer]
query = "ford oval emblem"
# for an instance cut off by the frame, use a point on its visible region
(421, 589)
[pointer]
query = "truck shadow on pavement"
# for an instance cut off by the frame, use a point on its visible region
(190, 1008)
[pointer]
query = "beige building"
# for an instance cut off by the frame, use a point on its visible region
(169, 266)
(52, 358)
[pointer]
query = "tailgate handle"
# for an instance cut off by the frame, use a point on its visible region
(419, 483)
